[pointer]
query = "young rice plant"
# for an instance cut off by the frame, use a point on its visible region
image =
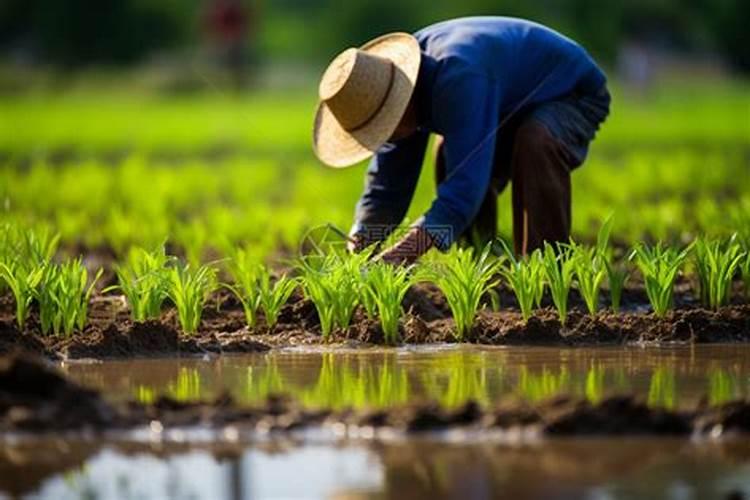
(63, 296)
(558, 270)
(464, 279)
(716, 263)
(188, 288)
(386, 285)
(526, 279)
(332, 285)
(660, 266)
(245, 270)
(23, 282)
(273, 296)
(590, 272)
(143, 279)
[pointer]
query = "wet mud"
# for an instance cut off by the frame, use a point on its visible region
(35, 397)
(112, 334)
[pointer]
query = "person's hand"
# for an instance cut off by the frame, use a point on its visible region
(407, 250)
(356, 243)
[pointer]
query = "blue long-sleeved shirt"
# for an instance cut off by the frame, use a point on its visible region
(475, 73)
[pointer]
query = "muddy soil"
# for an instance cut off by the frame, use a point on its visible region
(35, 398)
(112, 334)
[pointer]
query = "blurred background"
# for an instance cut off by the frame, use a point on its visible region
(195, 115)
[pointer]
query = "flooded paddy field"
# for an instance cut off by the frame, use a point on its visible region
(668, 376)
(448, 462)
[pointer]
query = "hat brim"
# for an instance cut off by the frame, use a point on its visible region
(337, 147)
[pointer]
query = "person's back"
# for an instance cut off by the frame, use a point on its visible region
(511, 100)
(524, 57)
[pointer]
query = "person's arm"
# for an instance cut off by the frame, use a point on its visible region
(467, 111)
(389, 187)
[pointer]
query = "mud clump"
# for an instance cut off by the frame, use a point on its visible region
(35, 397)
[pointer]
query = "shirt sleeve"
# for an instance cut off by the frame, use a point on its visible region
(467, 111)
(389, 186)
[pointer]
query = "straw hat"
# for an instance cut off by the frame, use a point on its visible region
(363, 96)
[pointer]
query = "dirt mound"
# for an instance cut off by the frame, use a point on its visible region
(35, 397)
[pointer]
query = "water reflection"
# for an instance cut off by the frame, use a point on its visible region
(663, 377)
(632, 468)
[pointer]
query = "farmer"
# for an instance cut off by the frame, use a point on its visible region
(510, 101)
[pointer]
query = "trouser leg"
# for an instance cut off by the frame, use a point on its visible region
(483, 228)
(540, 169)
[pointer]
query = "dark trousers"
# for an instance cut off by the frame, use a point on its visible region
(536, 153)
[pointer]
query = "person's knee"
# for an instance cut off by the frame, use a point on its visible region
(533, 137)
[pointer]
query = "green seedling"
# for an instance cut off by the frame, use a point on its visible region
(745, 271)
(558, 271)
(464, 279)
(274, 296)
(716, 263)
(660, 266)
(386, 286)
(23, 283)
(63, 295)
(143, 279)
(526, 279)
(188, 288)
(245, 270)
(616, 278)
(590, 272)
(332, 285)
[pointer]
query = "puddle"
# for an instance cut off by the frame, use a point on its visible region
(415, 467)
(670, 377)
(561, 469)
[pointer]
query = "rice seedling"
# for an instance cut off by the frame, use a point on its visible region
(274, 296)
(589, 272)
(38, 246)
(464, 279)
(385, 286)
(558, 270)
(23, 283)
(716, 263)
(332, 286)
(617, 275)
(660, 266)
(745, 271)
(526, 279)
(188, 288)
(63, 295)
(143, 280)
(245, 270)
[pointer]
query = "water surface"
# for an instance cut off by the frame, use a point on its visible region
(671, 377)
(558, 469)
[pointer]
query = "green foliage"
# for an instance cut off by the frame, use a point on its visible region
(745, 271)
(464, 279)
(331, 283)
(188, 288)
(617, 275)
(274, 296)
(23, 282)
(526, 279)
(63, 296)
(659, 266)
(558, 269)
(716, 263)
(385, 286)
(143, 279)
(590, 271)
(245, 269)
